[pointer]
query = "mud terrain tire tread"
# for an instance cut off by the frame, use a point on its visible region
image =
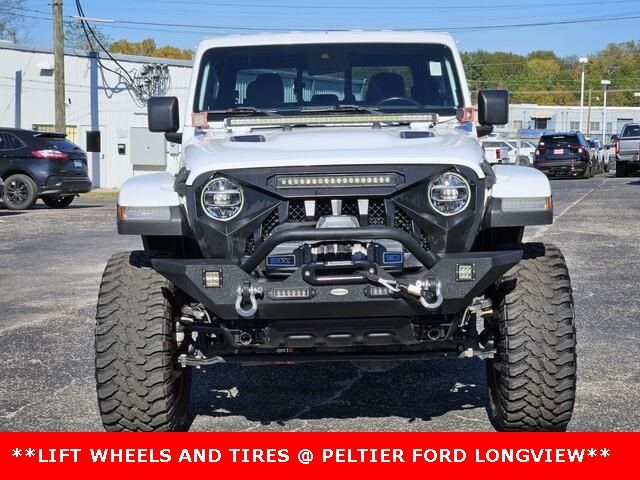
(532, 380)
(138, 386)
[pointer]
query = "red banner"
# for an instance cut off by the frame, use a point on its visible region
(104, 455)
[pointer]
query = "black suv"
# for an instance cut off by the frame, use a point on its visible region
(564, 154)
(41, 164)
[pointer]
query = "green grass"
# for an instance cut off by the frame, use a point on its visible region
(106, 194)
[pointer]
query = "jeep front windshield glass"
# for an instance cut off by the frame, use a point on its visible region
(299, 79)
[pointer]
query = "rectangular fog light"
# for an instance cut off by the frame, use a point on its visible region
(141, 214)
(300, 293)
(530, 204)
(211, 278)
(465, 272)
(377, 292)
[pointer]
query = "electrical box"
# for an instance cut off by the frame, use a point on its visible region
(147, 149)
(93, 141)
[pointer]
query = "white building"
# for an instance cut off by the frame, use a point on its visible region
(96, 100)
(537, 118)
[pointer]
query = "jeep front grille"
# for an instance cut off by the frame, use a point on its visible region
(376, 214)
(323, 208)
(401, 221)
(297, 212)
(271, 222)
(350, 207)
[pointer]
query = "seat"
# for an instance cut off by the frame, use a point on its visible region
(266, 91)
(384, 85)
(435, 94)
(324, 99)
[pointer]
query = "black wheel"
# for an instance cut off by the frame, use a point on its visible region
(56, 201)
(139, 384)
(20, 192)
(621, 169)
(532, 379)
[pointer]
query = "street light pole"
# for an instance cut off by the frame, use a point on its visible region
(605, 84)
(583, 61)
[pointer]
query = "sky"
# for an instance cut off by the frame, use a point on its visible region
(588, 25)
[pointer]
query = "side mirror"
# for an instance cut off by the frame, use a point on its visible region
(493, 107)
(163, 114)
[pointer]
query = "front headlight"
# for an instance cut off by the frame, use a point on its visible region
(449, 193)
(222, 199)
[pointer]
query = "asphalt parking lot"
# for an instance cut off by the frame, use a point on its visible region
(50, 267)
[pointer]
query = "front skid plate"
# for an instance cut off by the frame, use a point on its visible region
(349, 301)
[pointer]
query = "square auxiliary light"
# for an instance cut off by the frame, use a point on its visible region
(211, 278)
(465, 272)
(336, 181)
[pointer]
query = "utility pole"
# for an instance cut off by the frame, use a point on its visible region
(58, 72)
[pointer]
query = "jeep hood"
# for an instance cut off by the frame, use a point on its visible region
(355, 146)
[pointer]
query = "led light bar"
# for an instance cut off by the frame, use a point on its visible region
(142, 214)
(291, 293)
(369, 180)
(530, 204)
(327, 119)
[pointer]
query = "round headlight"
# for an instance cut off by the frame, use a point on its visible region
(222, 199)
(449, 193)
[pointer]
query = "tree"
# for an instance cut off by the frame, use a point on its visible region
(10, 20)
(75, 37)
(544, 78)
(148, 48)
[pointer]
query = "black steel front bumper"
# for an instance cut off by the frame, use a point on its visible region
(320, 296)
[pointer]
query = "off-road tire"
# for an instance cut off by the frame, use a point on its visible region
(532, 379)
(57, 201)
(139, 385)
(20, 192)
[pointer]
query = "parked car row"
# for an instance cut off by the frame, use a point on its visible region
(572, 154)
(41, 165)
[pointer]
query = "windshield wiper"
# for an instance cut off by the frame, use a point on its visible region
(343, 108)
(246, 109)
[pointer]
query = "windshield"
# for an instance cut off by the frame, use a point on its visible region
(61, 144)
(294, 79)
(631, 131)
(559, 140)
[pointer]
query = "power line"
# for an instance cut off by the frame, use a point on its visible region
(236, 5)
(460, 28)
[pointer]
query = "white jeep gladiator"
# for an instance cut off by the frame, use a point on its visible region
(333, 204)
